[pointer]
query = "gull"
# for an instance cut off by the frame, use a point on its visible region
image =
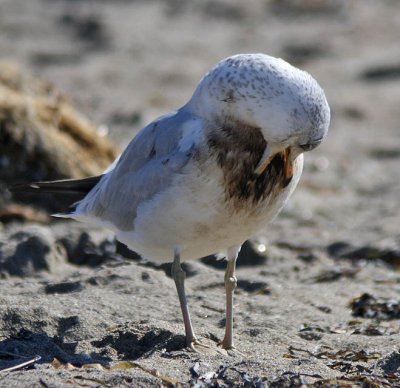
(203, 179)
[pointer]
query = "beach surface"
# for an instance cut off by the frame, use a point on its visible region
(318, 297)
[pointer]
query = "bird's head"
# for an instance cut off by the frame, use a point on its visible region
(286, 104)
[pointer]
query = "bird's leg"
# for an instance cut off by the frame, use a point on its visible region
(230, 285)
(179, 276)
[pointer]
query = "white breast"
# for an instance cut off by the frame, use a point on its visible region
(192, 215)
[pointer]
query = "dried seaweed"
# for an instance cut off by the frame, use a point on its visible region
(353, 381)
(326, 352)
(355, 326)
(345, 361)
(117, 366)
(39, 131)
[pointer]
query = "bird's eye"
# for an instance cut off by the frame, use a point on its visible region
(311, 144)
(306, 147)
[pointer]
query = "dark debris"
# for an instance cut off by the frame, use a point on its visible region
(343, 250)
(381, 73)
(63, 287)
(367, 306)
(308, 258)
(311, 332)
(224, 376)
(324, 308)
(89, 29)
(248, 256)
(362, 328)
(335, 273)
(254, 286)
(327, 353)
(355, 381)
(345, 361)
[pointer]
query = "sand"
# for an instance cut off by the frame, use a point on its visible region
(98, 316)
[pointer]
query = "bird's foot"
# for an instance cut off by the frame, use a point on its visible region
(196, 346)
(229, 347)
(227, 342)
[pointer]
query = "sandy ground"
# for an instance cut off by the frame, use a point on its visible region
(98, 319)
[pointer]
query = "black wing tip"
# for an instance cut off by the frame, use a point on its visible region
(20, 187)
(63, 186)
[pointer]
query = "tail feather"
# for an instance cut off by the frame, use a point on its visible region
(64, 186)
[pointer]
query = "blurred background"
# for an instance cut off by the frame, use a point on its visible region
(122, 63)
(78, 79)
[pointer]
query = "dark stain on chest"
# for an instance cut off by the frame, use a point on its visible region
(238, 149)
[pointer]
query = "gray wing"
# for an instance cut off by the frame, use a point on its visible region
(146, 167)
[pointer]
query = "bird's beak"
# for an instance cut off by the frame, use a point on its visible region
(269, 154)
(287, 165)
(265, 160)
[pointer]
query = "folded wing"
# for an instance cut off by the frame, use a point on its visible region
(150, 163)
